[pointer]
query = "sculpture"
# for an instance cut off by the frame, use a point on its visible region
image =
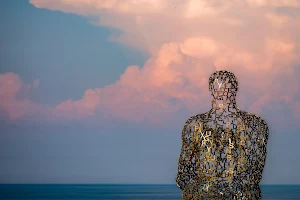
(223, 151)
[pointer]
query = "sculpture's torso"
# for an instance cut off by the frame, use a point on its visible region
(223, 157)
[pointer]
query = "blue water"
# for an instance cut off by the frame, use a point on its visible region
(108, 192)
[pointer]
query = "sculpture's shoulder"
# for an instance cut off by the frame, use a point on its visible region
(197, 118)
(256, 122)
(247, 116)
(262, 122)
(194, 120)
(252, 117)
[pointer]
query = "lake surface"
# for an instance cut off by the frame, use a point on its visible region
(120, 191)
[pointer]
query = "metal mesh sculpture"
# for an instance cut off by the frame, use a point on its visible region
(223, 150)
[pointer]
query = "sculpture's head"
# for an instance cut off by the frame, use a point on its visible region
(223, 85)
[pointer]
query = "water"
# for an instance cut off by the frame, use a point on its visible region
(112, 191)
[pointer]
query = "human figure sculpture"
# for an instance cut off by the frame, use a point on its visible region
(223, 151)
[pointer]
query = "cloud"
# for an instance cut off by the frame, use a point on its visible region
(275, 3)
(14, 97)
(187, 41)
(277, 20)
(154, 93)
(175, 80)
(149, 24)
(197, 8)
(36, 83)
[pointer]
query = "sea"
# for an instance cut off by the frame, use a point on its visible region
(121, 191)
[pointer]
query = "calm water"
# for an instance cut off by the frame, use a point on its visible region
(107, 192)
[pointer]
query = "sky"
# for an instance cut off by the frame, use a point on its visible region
(98, 91)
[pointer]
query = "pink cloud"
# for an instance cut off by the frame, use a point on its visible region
(187, 41)
(148, 24)
(275, 3)
(276, 19)
(143, 94)
(14, 96)
(36, 83)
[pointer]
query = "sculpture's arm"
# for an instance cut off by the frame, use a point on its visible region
(184, 173)
(262, 146)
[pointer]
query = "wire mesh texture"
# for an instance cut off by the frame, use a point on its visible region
(223, 151)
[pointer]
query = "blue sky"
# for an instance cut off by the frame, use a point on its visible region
(101, 96)
(39, 44)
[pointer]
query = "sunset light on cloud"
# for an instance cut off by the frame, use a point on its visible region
(186, 41)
